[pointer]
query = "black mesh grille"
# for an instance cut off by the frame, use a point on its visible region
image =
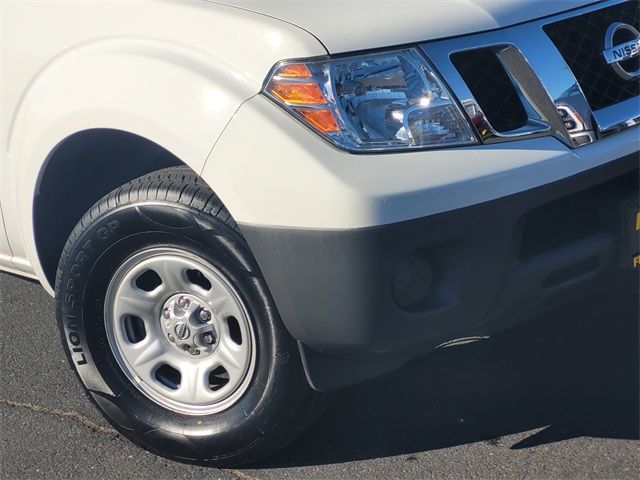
(492, 88)
(580, 40)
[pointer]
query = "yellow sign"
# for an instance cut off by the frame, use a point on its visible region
(636, 259)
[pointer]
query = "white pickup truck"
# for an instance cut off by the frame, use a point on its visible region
(242, 205)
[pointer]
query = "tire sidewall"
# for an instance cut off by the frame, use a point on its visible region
(85, 271)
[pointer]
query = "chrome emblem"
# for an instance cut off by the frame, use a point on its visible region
(182, 331)
(615, 54)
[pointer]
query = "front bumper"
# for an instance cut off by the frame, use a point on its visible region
(363, 301)
(492, 232)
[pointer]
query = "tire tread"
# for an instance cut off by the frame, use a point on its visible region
(182, 186)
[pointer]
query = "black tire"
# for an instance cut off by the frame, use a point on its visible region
(173, 207)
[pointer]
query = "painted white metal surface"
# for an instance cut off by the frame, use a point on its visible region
(5, 251)
(173, 72)
(284, 175)
(185, 75)
(348, 25)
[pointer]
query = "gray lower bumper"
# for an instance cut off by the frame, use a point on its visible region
(363, 301)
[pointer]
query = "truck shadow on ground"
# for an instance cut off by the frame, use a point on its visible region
(572, 372)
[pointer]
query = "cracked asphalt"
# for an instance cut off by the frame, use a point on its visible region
(557, 397)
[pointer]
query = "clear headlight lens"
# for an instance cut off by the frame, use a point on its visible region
(374, 102)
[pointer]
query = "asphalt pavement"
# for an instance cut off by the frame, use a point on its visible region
(557, 397)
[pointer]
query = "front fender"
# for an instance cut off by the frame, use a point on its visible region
(177, 88)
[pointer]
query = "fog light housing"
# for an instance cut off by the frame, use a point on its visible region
(412, 281)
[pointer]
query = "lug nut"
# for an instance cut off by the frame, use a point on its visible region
(205, 315)
(166, 313)
(184, 302)
(171, 337)
(209, 338)
(193, 351)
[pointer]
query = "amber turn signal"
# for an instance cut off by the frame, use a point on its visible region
(323, 120)
(297, 93)
(293, 85)
(296, 70)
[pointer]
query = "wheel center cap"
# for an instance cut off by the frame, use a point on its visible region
(182, 331)
(189, 325)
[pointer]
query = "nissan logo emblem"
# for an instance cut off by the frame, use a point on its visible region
(614, 55)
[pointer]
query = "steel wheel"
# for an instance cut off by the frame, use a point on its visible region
(169, 323)
(180, 331)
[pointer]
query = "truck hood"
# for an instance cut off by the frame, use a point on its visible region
(349, 25)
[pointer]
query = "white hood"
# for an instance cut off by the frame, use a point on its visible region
(350, 25)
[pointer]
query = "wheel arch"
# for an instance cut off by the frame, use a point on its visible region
(69, 184)
(107, 129)
(177, 88)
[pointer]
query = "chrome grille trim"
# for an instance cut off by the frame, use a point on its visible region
(544, 79)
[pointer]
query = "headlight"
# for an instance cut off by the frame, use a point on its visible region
(374, 102)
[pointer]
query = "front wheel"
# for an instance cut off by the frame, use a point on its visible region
(172, 330)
